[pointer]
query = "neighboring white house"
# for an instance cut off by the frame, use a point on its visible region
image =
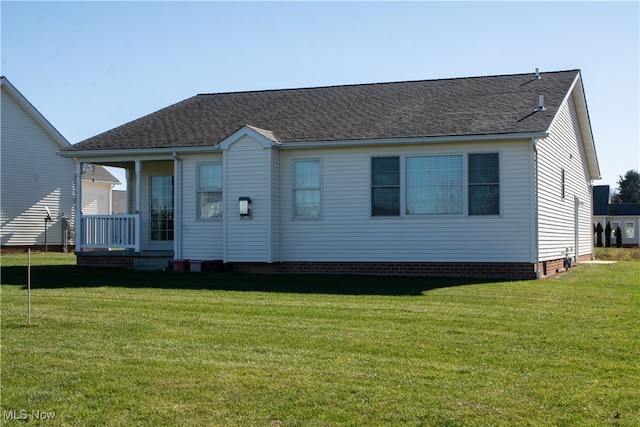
(484, 176)
(97, 190)
(623, 215)
(34, 178)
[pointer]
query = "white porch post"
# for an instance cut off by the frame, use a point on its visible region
(138, 186)
(79, 232)
(138, 204)
(177, 212)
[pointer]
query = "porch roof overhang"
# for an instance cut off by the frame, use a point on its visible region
(135, 154)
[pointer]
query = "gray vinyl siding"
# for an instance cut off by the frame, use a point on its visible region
(563, 149)
(201, 238)
(32, 177)
(246, 174)
(276, 206)
(347, 232)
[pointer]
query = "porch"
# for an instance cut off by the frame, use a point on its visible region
(114, 241)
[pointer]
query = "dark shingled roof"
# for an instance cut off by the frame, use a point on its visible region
(624, 209)
(98, 173)
(601, 200)
(428, 108)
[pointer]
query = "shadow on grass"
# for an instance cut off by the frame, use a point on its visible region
(69, 276)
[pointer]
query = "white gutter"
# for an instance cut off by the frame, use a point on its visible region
(411, 141)
(128, 153)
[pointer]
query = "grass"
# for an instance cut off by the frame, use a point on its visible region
(123, 348)
(618, 254)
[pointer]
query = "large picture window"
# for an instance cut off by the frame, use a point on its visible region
(385, 186)
(433, 185)
(484, 184)
(306, 188)
(209, 190)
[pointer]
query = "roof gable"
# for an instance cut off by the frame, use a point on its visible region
(38, 118)
(493, 105)
(264, 137)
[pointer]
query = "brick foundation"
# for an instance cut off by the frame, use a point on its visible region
(490, 270)
(105, 261)
(555, 266)
(497, 270)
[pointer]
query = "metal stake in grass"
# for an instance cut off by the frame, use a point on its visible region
(29, 289)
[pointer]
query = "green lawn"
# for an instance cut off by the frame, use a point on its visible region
(123, 348)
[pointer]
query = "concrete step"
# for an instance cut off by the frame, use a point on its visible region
(152, 263)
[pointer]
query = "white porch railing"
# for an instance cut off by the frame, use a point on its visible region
(109, 232)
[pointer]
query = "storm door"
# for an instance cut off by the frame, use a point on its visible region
(161, 208)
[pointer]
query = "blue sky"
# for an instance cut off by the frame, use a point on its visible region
(91, 66)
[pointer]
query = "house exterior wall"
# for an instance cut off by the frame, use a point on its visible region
(247, 173)
(32, 177)
(201, 238)
(96, 198)
(623, 221)
(564, 222)
(346, 231)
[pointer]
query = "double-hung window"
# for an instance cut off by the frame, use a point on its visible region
(629, 230)
(209, 190)
(306, 188)
(385, 186)
(484, 184)
(433, 185)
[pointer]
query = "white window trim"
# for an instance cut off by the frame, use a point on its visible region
(400, 185)
(500, 184)
(463, 194)
(197, 191)
(294, 188)
(633, 229)
(465, 186)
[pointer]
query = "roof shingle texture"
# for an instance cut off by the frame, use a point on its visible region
(427, 108)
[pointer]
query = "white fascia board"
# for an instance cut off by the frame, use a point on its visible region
(136, 153)
(410, 141)
(34, 113)
(580, 101)
(250, 132)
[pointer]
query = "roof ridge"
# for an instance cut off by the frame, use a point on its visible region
(351, 85)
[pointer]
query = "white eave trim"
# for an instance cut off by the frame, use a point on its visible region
(410, 141)
(580, 101)
(137, 152)
(34, 113)
(295, 145)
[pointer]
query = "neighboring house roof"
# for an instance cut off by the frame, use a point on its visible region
(601, 200)
(602, 205)
(624, 209)
(33, 112)
(490, 105)
(97, 173)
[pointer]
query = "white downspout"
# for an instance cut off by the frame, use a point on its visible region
(78, 239)
(177, 238)
(535, 244)
(281, 198)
